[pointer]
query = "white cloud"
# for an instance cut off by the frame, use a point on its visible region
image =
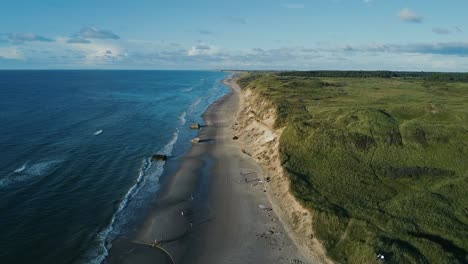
(139, 54)
(202, 49)
(78, 40)
(441, 31)
(99, 52)
(60, 53)
(96, 33)
(11, 53)
(20, 38)
(407, 15)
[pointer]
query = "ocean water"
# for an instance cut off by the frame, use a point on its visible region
(75, 150)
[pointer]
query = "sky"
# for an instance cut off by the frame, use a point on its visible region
(416, 35)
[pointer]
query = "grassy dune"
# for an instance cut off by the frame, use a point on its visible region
(383, 163)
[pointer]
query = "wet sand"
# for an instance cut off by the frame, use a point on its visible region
(213, 209)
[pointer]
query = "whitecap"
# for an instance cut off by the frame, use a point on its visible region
(20, 169)
(43, 168)
(98, 132)
(182, 118)
(25, 173)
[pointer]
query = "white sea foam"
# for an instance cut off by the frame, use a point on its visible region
(196, 102)
(42, 168)
(98, 132)
(26, 173)
(148, 176)
(191, 108)
(20, 169)
(101, 237)
(188, 90)
(182, 118)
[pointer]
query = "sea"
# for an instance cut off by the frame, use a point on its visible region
(75, 154)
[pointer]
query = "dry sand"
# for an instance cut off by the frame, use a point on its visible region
(216, 207)
(254, 127)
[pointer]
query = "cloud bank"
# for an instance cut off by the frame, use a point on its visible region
(95, 33)
(406, 15)
(20, 38)
(96, 48)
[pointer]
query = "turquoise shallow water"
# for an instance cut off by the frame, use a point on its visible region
(75, 167)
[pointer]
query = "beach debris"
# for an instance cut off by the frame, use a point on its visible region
(195, 140)
(186, 212)
(245, 152)
(159, 157)
(296, 261)
(264, 207)
(247, 173)
(156, 243)
(195, 126)
(256, 180)
(268, 179)
(235, 137)
(262, 235)
(380, 257)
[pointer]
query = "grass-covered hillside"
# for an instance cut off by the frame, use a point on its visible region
(383, 162)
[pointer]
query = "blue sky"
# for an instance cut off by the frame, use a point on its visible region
(253, 34)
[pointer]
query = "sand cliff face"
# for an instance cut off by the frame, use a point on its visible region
(258, 139)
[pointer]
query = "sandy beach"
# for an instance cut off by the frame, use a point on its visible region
(215, 208)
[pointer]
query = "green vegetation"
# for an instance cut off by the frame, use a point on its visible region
(427, 76)
(383, 162)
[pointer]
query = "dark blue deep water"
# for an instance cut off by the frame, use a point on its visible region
(75, 150)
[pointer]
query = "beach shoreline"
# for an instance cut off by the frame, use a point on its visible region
(258, 137)
(214, 208)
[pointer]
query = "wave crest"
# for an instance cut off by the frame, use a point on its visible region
(182, 120)
(27, 173)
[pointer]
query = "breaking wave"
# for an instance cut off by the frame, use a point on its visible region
(182, 120)
(27, 173)
(147, 181)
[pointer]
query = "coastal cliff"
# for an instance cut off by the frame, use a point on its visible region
(259, 139)
(379, 162)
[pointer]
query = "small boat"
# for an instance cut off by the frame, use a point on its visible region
(98, 132)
